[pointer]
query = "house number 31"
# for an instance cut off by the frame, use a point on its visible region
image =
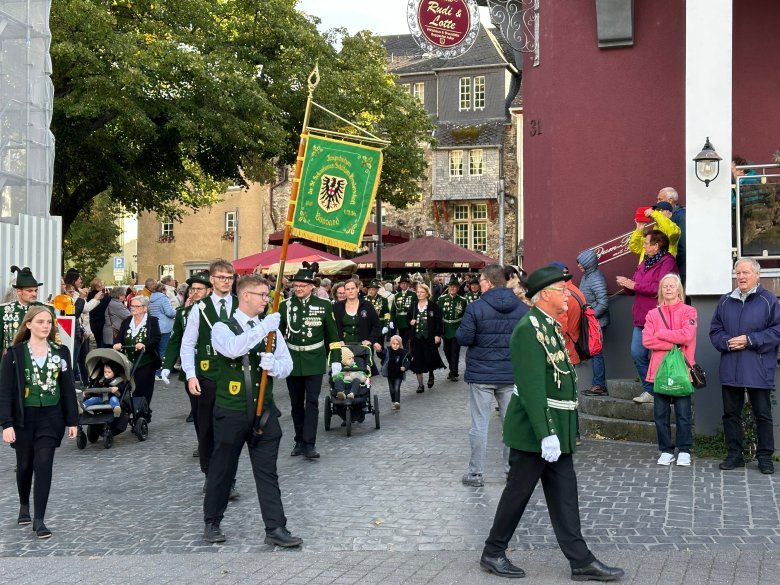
(536, 127)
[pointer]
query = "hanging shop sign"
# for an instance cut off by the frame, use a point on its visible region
(445, 28)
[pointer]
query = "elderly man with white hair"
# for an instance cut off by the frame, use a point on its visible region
(670, 195)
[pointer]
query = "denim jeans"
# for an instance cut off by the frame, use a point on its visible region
(641, 356)
(683, 412)
(481, 410)
(164, 338)
(112, 400)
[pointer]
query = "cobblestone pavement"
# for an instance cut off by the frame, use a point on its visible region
(382, 506)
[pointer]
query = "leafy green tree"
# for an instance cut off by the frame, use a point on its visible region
(162, 104)
(93, 237)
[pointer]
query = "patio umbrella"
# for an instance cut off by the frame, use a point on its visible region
(389, 235)
(426, 253)
(295, 253)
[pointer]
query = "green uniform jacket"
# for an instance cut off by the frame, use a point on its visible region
(309, 329)
(381, 308)
(452, 309)
(173, 349)
(542, 371)
(401, 304)
(472, 296)
(11, 315)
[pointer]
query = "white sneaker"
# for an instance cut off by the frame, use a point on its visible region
(643, 398)
(667, 458)
(684, 459)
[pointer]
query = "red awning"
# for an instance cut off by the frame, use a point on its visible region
(295, 253)
(428, 252)
(389, 235)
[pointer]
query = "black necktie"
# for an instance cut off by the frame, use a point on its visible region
(251, 324)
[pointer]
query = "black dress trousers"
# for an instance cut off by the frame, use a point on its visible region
(305, 406)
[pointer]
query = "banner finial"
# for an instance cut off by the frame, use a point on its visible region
(314, 78)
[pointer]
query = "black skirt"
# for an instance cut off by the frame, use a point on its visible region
(425, 355)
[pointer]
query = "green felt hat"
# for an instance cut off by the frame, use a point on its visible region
(545, 277)
(375, 284)
(200, 278)
(25, 278)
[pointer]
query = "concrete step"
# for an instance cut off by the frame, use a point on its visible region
(625, 389)
(600, 427)
(616, 408)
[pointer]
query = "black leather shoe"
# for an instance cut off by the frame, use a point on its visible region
(40, 529)
(596, 571)
(282, 537)
(430, 381)
(420, 389)
(24, 515)
(501, 566)
(310, 452)
(190, 417)
(731, 463)
(196, 453)
(766, 466)
(234, 495)
(212, 533)
(297, 450)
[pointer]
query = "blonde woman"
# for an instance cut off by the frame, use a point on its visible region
(37, 403)
(425, 330)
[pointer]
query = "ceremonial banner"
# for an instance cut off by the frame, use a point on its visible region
(337, 189)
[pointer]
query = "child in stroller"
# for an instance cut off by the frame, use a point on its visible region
(111, 380)
(346, 384)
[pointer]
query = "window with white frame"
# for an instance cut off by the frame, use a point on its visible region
(456, 163)
(166, 228)
(476, 164)
(479, 92)
(470, 226)
(418, 91)
(165, 270)
(464, 100)
(230, 221)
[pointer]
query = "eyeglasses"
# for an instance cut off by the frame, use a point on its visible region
(560, 289)
(198, 288)
(136, 306)
(261, 295)
(223, 278)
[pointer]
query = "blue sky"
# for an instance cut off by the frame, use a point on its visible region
(383, 17)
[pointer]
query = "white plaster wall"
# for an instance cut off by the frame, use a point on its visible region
(708, 103)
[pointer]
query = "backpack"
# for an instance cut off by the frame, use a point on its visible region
(591, 340)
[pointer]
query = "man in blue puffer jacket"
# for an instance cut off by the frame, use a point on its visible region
(745, 329)
(485, 330)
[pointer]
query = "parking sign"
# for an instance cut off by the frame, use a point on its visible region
(119, 263)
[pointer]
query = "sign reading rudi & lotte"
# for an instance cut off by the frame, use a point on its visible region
(445, 28)
(338, 185)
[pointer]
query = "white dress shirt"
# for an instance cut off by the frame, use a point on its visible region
(190, 337)
(234, 346)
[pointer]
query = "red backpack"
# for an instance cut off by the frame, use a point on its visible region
(591, 340)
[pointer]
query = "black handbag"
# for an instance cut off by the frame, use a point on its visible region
(698, 375)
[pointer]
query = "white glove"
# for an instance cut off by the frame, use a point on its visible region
(164, 375)
(551, 448)
(385, 330)
(391, 325)
(270, 323)
(267, 361)
(335, 368)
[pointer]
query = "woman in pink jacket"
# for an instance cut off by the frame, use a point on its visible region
(659, 338)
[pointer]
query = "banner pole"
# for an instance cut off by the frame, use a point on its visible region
(313, 81)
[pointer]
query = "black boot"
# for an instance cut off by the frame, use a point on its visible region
(24, 515)
(40, 529)
(212, 533)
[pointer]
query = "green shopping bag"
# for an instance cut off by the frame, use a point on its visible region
(672, 376)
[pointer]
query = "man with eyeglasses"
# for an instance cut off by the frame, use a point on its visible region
(199, 286)
(199, 359)
(241, 354)
(309, 327)
(540, 430)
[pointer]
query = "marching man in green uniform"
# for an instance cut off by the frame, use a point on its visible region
(199, 359)
(540, 428)
(310, 330)
(452, 307)
(200, 285)
(400, 309)
(380, 304)
(473, 292)
(240, 344)
(12, 313)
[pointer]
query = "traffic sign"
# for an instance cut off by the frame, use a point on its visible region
(119, 263)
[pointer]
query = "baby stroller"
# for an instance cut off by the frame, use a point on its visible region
(99, 419)
(362, 404)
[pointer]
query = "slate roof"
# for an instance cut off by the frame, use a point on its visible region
(482, 133)
(404, 55)
(483, 189)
